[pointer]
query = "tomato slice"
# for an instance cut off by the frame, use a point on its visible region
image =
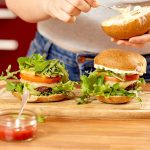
(110, 78)
(39, 79)
(132, 77)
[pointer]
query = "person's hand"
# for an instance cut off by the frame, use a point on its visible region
(137, 41)
(68, 10)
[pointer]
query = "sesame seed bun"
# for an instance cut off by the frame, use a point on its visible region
(121, 60)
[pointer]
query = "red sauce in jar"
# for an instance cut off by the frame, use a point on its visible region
(11, 130)
(13, 134)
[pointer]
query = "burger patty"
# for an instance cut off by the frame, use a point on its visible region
(44, 89)
(131, 87)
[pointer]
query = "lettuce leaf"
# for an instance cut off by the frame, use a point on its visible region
(60, 88)
(42, 67)
(19, 87)
(121, 77)
(94, 85)
(15, 86)
(63, 87)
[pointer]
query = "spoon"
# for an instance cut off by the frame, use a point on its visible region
(108, 7)
(122, 8)
(24, 102)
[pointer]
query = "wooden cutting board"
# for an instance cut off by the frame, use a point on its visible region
(94, 110)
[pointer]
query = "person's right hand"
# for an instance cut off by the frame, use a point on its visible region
(68, 10)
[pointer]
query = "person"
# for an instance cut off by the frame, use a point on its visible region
(69, 30)
(137, 41)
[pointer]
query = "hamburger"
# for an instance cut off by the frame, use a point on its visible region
(44, 80)
(128, 24)
(116, 79)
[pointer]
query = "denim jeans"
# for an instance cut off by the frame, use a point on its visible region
(77, 64)
(147, 75)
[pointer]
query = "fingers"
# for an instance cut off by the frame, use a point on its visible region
(70, 9)
(93, 3)
(127, 43)
(67, 10)
(113, 40)
(63, 16)
(80, 4)
(137, 41)
(140, 39)
(56, 10)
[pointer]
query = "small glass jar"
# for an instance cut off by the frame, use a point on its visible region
(12, 129)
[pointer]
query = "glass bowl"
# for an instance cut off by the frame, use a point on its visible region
(12, 129)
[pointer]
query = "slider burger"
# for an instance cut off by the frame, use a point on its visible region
(128, 24)
(116, 78)
(45, 80)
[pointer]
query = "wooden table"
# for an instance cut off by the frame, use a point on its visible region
(73, 134)
(67, 134)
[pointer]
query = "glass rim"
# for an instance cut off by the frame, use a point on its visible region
(3, 111)
(15, 111)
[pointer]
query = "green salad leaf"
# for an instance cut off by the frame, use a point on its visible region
(8, 74)
(63, 87)
(121, 77)
(42, 67)
(60, 88)
(19, 87)
(15, 86)
(41, 118)
(94, 85)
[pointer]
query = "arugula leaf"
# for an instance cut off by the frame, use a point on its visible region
(121, 77)
(41, 118)
(83, 100)
(140, 82)
(86, 84)
(60, 88)
(9, 75)
(63, 87)
(94, 84)
(19, 87)
(42, 67)
(15, 86)
(117, 76)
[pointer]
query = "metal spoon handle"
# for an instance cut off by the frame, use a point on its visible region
(110, 8)
(24, 101)
(107, 7)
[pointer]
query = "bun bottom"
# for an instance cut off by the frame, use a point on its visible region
(42, 99)
(115, 99)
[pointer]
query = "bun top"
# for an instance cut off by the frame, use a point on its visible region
(121, 60)
(125, 17)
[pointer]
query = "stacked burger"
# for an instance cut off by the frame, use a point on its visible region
(45, 80)
(116, 78)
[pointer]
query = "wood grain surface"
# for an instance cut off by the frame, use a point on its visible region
(71, 134)
(94, 110)
(87, 134)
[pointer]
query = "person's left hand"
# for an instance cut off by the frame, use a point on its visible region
(137, 41)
